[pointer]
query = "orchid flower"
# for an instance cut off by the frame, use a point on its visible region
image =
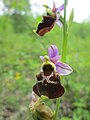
(61, 68)
(48, 22)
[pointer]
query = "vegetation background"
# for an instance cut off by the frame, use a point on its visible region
(20, 49)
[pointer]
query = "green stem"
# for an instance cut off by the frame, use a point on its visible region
(57, 108)
(64, 51)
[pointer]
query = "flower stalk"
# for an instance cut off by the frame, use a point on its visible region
(65, 34)
(57, 108)
(64, 51)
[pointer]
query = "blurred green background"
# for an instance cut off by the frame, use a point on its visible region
(20, 49)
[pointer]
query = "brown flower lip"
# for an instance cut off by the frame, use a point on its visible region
(52, 88)
(46, 25)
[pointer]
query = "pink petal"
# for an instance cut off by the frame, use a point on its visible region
(55, 59)
(59, 23)
(57, 19)
(33, 97)
(42, 58)
(59, 9)
(52, 51)
(63, 68)
(57, 16)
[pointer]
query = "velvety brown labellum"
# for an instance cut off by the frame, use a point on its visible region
(52, 89)
(46, 25)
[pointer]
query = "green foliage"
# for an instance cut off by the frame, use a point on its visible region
(17, 6)
(20, 23)
(20, 49)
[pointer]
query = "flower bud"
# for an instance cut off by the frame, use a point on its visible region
(40, 111)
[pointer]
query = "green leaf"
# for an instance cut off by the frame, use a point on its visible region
(70, 19)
